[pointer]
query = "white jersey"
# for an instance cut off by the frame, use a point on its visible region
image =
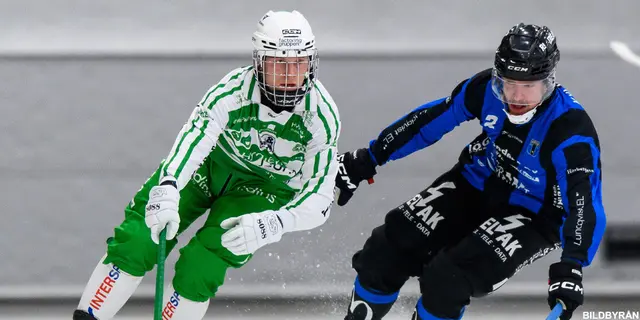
(295, 149)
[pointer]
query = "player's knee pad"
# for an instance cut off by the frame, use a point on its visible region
(481, 264)
(445, 288)
(402, 232)
(369, 304)
(382, 266)
(199, 272)
(177, 307)
(82, 315)
(131, 247)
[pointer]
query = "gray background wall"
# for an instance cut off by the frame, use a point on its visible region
(93, 95)
(341, 26)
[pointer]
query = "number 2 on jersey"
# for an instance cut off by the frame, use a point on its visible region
(490, 121)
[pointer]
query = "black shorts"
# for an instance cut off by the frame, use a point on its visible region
(451, 217)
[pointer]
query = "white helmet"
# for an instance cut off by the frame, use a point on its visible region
(284, 34)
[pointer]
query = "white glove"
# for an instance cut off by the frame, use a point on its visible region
(248, 233)
(162, 211)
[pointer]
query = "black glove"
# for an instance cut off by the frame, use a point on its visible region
(565, 284)
(353, 168)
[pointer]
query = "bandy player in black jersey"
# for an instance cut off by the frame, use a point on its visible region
(530, 183)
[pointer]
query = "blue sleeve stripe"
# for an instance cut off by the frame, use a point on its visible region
(601, 221)
(433, 131)
(560, 162)
(459, 99)
(373, 157)
(421, 127)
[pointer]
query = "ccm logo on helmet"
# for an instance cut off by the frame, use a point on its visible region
(519, 69)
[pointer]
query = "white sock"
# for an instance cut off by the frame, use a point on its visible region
(177, 307)
(107, 291)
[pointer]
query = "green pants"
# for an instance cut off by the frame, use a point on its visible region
(203, 262)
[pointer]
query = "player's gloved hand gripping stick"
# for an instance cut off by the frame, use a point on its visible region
(162, 218)
(565, 289)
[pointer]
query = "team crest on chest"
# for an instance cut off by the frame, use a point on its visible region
(267, 141)
(239, 99)
(533, 148)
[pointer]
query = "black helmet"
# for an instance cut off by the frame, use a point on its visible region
(527, 52)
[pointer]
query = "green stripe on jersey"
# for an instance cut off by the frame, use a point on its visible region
(204, 127)
(193, 126)
(320, 181)
(335, 119)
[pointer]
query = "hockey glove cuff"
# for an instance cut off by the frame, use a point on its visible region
(353, 168)
(565, 285)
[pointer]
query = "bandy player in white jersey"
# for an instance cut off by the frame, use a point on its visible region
(259, 151)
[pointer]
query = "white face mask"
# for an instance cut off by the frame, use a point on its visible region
(520, 119)
(285, 76)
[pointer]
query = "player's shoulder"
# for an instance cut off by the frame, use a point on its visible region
(571, 120)
(323, 96)
(481, 78)
(326, 111)
(476, 85)
(237, 75)
(235, 81)
(233, 78)
(471, 91)
(569, 112)
(565, 99)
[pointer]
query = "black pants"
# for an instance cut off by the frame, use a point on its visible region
(458, 244)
